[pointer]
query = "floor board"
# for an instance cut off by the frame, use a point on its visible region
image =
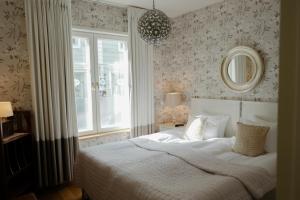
(30, 196)
(66, 193)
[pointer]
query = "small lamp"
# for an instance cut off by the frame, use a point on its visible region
(173, 99)
(5, 111)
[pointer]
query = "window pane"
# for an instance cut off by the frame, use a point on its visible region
(82, 82)
(113, 83)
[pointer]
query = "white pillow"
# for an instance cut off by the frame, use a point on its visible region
(194, 128)
(271, 141)
(215, 126)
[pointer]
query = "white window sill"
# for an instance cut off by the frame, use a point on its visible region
(103, 134)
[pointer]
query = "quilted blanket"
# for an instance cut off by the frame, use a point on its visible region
(141, 169)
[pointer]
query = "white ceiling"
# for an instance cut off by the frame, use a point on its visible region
(172, 8)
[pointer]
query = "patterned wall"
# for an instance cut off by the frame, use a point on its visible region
(190, 59)
(92, 14)
(14, 61)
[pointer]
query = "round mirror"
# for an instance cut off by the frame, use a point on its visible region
(242, 69)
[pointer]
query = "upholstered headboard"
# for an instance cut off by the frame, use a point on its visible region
(265, 110)
(234, 109)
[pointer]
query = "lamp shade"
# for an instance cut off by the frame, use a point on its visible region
(6, 109)
(173, 99)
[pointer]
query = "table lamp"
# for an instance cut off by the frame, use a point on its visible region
(173, 99)
(5, 111)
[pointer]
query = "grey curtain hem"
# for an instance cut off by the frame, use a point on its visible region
(56, 161)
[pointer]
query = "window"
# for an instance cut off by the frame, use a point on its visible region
(101, 82)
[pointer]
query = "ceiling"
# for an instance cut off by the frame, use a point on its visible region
(172, 8)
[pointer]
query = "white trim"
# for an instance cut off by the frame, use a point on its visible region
(111, 36)
(95, 78)
(93, 36)
(98, 107)
(98, 31)
(108, 3)
(89, 36)
(104, 134)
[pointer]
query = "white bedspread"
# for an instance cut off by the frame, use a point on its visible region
(165, 167)
(220, 148)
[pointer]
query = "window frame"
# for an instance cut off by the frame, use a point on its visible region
(93, 37)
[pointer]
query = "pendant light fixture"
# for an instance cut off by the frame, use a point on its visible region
(154, 26)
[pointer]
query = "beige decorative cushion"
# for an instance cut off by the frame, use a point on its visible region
(250, 139)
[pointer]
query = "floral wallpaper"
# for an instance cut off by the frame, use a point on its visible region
(14, 60)
(93, 14)
(189, 61)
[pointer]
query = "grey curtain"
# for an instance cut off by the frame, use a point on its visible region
(49, 38)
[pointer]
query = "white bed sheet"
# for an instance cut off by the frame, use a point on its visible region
(218, 147)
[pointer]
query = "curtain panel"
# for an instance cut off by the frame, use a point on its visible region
(49, 38)
(141, 66)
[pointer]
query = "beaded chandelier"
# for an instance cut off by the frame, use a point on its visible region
(154, 26)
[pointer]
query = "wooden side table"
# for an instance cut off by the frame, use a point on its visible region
(17, 158)
(16, 164)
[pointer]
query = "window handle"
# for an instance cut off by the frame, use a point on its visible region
(94, 86)
(97, 85)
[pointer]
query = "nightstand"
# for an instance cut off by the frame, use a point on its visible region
(17, 159)
(168, 126)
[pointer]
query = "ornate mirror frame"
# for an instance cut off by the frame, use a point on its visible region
(258, 69)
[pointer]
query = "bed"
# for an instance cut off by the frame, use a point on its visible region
(165, 166)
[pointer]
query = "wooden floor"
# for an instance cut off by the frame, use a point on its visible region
(30, 196)
(66, 193)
